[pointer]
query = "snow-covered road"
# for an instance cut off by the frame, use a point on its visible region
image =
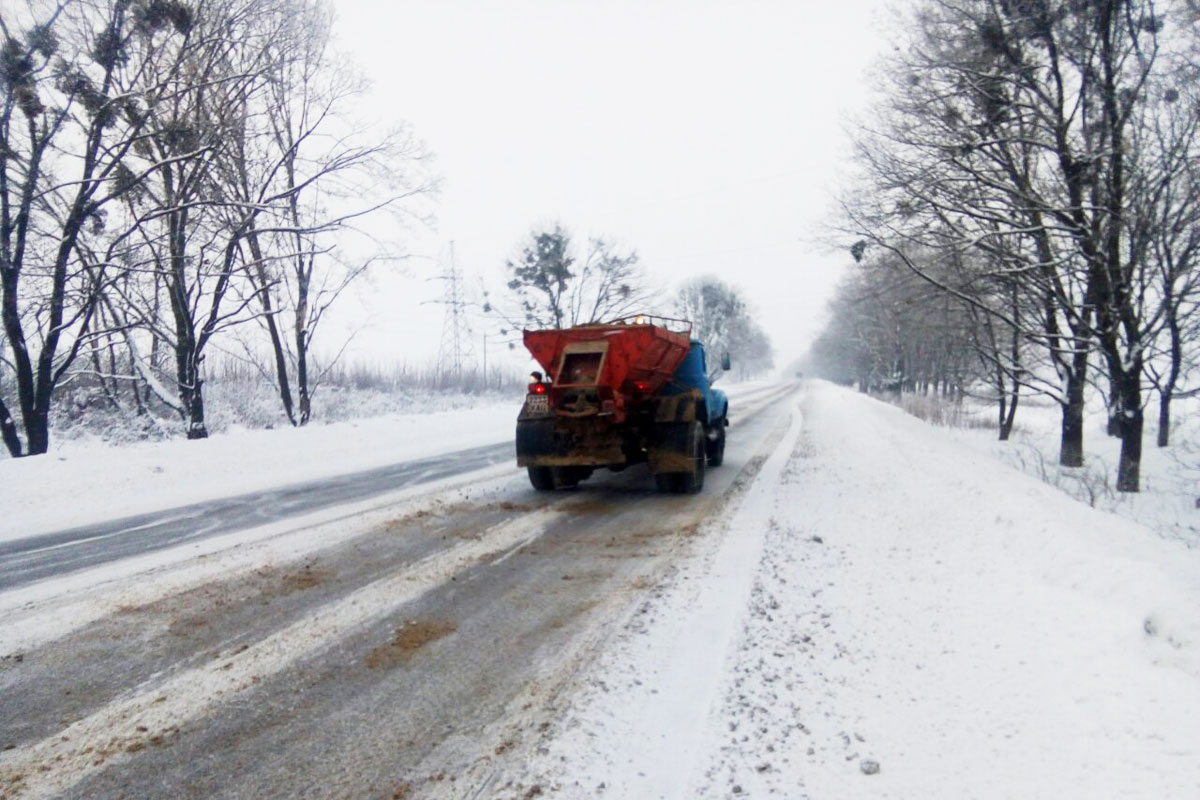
(856, 606)
(355, 650)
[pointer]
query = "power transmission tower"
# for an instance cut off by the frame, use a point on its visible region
(456, 348)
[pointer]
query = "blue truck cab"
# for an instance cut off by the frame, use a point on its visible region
(692, 377)
(693, 374)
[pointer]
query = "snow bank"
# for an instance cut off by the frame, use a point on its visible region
(89, 483)
(1170, 477)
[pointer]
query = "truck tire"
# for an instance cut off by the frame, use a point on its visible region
(567, 477)
(686, 440)
(535, 437)
(665, 482)
(542, 478)
(692, 482)
(715, 446)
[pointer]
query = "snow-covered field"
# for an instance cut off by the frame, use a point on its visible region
(891, 614)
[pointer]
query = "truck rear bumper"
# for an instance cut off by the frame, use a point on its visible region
(560, 443)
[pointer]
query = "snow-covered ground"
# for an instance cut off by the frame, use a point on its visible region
(102, 482)
(1170, 477)
(892, 614)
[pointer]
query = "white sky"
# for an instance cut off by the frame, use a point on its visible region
(707, 135)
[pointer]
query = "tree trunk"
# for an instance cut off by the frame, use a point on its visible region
(1000, 416)
(21, 361)
(1070, 452)
(8, 431)
(1113, 426)
(37, 430)
(303, 283)
(1130, 423)
(1014, 355)
(1168, 389)
(302, 384)
(1006, 420)
(187, 367)
(191, 393)
(1164, 419)
(264, 288)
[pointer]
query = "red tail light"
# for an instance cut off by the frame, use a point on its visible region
(640, 385)
(537, 388)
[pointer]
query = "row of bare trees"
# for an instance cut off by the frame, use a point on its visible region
(170, 169)
(722, 319)
(1035, 161)
(892, 331)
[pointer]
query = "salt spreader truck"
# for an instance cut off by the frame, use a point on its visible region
(634, 390)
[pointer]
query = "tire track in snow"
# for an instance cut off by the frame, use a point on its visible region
(54, 764)
(675, 673)
(33, 615)
(691, 695)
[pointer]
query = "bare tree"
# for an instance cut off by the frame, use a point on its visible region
(897, 333)
(320, 173)
(553, 288)
(76, 85)
(721, 319)
(1164, 227)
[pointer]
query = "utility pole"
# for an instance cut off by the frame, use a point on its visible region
(499, 335)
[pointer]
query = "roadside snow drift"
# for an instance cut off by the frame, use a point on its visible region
(921, 622)
(85, 483)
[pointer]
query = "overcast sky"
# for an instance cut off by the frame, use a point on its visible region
(706, 135)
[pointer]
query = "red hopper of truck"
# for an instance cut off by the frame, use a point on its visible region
(603, 369)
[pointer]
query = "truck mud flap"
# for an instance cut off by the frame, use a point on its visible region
(671, 450)
(677, 408)
(547, 443)
(535, 437)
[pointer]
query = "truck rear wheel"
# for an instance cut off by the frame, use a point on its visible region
(688, 440)
(542, 478)
(692, 482)
(569, 477)
(546, 479)
(715, 445)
